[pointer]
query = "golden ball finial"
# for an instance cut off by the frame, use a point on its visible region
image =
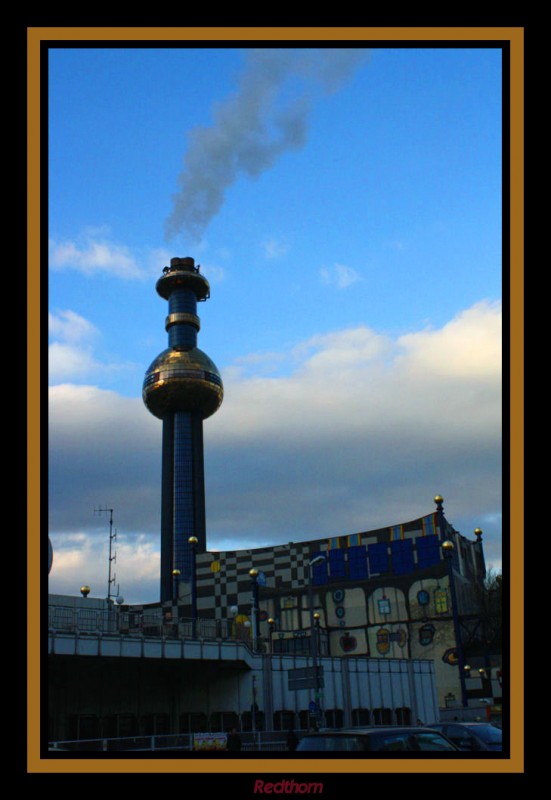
(438, 499)
(316, 615)
(85, 591)
(447, 545)
(175, 573)
(253, 572)
(271, 621)
(478, 532)
(193, 540)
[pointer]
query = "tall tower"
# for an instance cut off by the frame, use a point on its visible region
(182, 387)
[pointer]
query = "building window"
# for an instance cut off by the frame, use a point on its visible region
(83, 726)
(384, 605)
(154, 724)
(423, 597)
(247, 721)
(334, 718)
(440, 601)
(382, 716)
(360, 716)
(378, 558)
(296, 645)
(223, 721)
(304, 720)
(284, 720)
(402, 557)
(357, 562)
(428, 551)
(193, 722)
(403, 716)
(337, 565)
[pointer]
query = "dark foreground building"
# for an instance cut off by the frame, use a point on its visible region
(375, 611)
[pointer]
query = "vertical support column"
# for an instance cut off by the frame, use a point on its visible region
(345, 677)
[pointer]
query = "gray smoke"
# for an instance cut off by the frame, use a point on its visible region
(267, 116)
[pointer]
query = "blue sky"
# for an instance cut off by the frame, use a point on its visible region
(345, 206)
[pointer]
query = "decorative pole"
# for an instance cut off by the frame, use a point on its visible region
(192, 541)
(256, 615)
(447, 549)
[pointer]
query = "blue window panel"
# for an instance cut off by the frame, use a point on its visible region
(337, 568)
(319, 571)
(357, 562)
(402, 557)
(378, 558)
(428, 550)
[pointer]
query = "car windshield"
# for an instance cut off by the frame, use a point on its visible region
(342, 742)
(489, 734)
(428, 740)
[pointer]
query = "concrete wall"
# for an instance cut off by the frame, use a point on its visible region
(105, 676)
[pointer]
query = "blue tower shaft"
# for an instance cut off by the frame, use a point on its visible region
(183, 495)
(182, 387)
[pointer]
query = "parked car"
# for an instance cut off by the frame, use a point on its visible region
(377, 739)
(472, 735)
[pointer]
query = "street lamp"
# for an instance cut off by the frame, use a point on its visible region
(192, 541)
(233, 622)
(448, 548)
(253, 573)
(271, 626)
(314, 627)
(176, 578)
(248, 630)
(253, 706)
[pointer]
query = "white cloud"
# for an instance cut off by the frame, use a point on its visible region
(362, 433)
(81, 559)
(213, 273)
(274, 248)
(68, 362)
(94, 255)
(69, 326)
(470, 344)
(70, 357)
(339, 275)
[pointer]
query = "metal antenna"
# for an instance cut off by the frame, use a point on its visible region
(112, 537)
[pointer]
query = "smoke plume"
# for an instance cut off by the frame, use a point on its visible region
(267, 116)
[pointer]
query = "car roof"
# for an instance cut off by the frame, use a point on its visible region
(371, 729)
(467, 722)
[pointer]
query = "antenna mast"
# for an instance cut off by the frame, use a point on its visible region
(112, 538)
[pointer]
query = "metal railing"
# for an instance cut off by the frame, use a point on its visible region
(63, 619)
(252, 741)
